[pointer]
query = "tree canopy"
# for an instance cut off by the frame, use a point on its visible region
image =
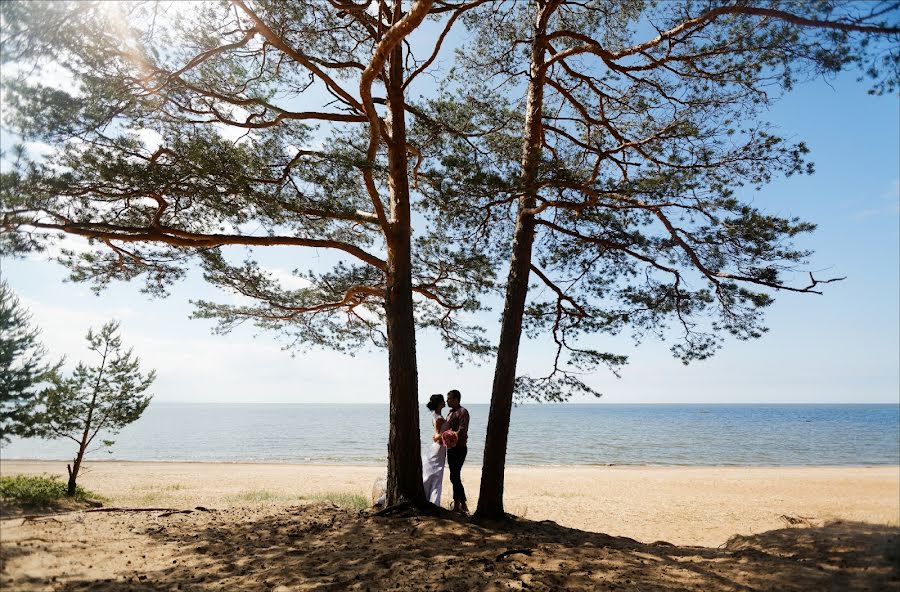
(25, 369)
(648, 142)
(206, 135)
(627, 191)
(95, 399)
(613, 142)
(178, 143)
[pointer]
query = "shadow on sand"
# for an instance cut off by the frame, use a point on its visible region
(323, 547)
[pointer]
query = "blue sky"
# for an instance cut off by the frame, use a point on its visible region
(842, 347)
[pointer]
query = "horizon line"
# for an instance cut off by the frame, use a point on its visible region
(534, 403)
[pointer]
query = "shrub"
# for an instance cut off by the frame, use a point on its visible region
(39, 489)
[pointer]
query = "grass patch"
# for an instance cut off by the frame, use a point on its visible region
(149, 498)
(260, 496)
(344, 499)
(40, 489)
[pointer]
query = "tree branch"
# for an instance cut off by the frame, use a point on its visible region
(389, 41)
(181, 238)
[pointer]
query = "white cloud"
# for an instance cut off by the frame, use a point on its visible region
(194, 366)
(287, 279)
(39, 149)
(151, 139)
(50, 74)
(54, 247)
(230, 132)
(238, 299)
(880, 208)
(63, 329)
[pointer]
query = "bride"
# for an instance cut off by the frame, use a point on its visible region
(434, 456)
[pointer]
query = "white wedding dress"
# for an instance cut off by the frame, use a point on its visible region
(433, 465)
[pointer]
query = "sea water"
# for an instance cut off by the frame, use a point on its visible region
(560, 434)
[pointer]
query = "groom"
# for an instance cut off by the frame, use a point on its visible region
(458, 420)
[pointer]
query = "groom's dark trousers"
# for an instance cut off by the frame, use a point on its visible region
(455, 458)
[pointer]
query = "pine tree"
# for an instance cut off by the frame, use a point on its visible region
(215, 133)
(617, 152)
(103, 398)
(24, 367)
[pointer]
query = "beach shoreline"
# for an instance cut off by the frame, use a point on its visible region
(684, 505)
(865, 465)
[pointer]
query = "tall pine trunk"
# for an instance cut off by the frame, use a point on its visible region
(490, 499)
(404, 482)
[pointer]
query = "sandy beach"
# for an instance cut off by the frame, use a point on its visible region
(634, 510)
(681, 505)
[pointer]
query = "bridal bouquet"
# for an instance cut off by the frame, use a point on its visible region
(449, 438)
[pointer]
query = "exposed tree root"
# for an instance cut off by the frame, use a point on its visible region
(408, 508)
(509, 552)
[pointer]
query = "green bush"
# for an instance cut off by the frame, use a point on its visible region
(39, 489)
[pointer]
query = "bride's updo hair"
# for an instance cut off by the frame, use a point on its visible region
(434, 402)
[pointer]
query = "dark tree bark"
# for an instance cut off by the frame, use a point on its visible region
(404, 482)
(73, 472)
(490, 499)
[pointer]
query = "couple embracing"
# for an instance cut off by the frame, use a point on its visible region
(449, 442)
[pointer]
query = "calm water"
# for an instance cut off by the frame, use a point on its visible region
(540, 434)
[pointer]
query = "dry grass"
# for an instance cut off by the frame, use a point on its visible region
(344, 499)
